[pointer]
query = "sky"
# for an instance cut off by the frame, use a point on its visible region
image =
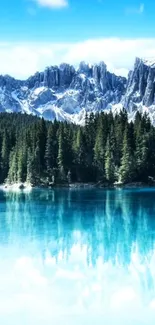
(38, 33)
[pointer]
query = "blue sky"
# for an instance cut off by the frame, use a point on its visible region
(75, 20)
(36, 33)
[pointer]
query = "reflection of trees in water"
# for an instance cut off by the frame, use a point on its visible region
(109, 222)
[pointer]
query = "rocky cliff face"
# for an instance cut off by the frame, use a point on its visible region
(66, 94)
(140, 91)
(63, 92)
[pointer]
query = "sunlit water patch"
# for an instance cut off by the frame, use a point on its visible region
(77, 256)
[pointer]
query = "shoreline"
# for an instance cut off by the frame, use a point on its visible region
(16, 187)
(26, 187)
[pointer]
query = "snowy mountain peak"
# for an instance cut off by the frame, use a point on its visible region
(62, 92)
(66, 93)
(149, 62)
(85, 68)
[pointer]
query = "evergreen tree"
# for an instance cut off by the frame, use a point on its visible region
(141, 128)
(37, 164)
(4, 156)
(30, 168)
(42, 134)
(80, 154)
(50, 153)
(22, 160)
(68, 147)
(100, 147)
(90, 134)
(109, 163)
(13, 167)
(127, 168)
(61, 156)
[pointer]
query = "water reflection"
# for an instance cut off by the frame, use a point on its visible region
(77, 256)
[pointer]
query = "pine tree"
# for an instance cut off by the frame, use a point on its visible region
(80, 155)
(37, 163)
(4, 156)
(109, 163)
(30, 168)
(127, 168)
(13, 167)
(100, 147)
(50, 153)
(68, 147)
(43, 136)
(61, 156)
(90, 134)
(22, 160)
(20, 167)
(141, 151)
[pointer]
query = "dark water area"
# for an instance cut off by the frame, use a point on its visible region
(77, 256)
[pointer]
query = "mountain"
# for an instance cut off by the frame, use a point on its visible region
(65, 93)
(140, 91)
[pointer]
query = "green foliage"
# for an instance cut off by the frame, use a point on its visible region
(127, 168)
(107, 148)
(109, 163)
(100, 146)
(4, 155)
(50, 152)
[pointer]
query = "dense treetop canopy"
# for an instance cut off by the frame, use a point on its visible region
(108, 149)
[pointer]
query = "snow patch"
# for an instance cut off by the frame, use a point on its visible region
(149, 62)
(39, 90)
(16, 187)
(82, 76)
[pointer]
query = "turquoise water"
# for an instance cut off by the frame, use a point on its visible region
(72, 257)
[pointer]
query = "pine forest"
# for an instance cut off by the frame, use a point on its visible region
(108, 149)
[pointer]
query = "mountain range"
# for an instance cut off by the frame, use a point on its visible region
(66, 93)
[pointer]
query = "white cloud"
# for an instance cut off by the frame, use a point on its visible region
(136, 10)
(52, 3)
(23, 59)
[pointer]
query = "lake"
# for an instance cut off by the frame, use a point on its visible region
(76, 257)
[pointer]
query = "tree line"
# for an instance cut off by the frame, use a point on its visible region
(107, 148)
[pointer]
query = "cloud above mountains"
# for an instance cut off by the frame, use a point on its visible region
(24, 59)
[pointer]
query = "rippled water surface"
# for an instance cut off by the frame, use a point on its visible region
(76, 257)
